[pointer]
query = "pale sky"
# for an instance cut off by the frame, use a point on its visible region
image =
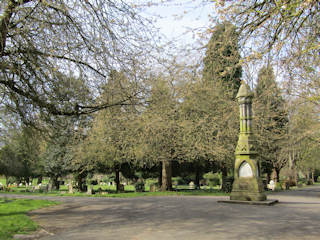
(176, 18)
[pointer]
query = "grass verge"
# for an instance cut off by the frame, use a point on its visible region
(129, 194)
(13, 218)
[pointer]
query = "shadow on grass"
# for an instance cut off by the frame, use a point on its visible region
(12, 214)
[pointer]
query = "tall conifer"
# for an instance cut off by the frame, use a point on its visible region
(222, 60)
(271, 122)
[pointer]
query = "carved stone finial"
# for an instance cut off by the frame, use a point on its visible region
(244, 91)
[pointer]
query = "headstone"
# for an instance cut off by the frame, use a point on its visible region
(49, 187)
(271, 185)
(70, 187)
(44, 188)
(191, 185)
(35, 188)
(89, 190)
(153, 188)
(100, 190)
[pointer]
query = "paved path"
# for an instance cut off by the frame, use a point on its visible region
(297, 216)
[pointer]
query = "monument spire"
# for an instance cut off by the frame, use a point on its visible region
(247, 185)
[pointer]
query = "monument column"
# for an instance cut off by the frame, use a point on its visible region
(247, 185)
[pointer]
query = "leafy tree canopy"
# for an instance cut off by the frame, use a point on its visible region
(54, 54)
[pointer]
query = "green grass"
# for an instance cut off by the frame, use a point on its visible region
(13, 218)
(3, 181)
(110, 191)
(173, 193)
(130, 194)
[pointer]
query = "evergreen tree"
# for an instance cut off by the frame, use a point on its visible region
(159, 139)
(209, 130)
(109, 144)
(222, 73)
(222, 60)
(271, 123)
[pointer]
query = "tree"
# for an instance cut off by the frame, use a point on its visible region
(221, 73)
(158, 140)
(271, 123)
(208, 132)
(309, 159)
(51, 48)
(303, 136)
(56, 152)
(108, 145)
(284, 30)
(222, 60)
(278, 23)
(20, 154)
(8, 162)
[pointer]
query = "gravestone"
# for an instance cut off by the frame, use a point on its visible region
(90, 190)
(44, 188)
(70, 187)
(191, 185)
(153, 188)
(247, 185)
(121, 188)
(271, 185)
(49, 187)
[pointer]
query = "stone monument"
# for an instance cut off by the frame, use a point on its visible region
(247, 185)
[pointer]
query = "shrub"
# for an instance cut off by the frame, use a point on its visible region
(302, 181)
(7, 189)
(139, 186)
(154, 187)
(12, 180)
(94, 182)
(278, 186)
(179, 181)
(284, 184)
(228, 184)
(213, 179)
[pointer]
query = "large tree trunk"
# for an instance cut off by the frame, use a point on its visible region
(55, 184)
(277, 171)
(293, 173)
(79, 180)
(39, 179)
(312, 176)
(166, 176)
(160, 175)
(118, 179)
(27, 180)
(197, 179)
(224, 172)
(7, 180)
(268, 177)
(309, 178)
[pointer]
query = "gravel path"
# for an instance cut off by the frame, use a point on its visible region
(297, 216)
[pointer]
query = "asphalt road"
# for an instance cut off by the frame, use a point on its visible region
(297, 216)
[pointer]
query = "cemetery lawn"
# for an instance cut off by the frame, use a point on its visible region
(126, 194)
(13, 218)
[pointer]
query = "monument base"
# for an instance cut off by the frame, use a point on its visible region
(248, 189)
(263, 203)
